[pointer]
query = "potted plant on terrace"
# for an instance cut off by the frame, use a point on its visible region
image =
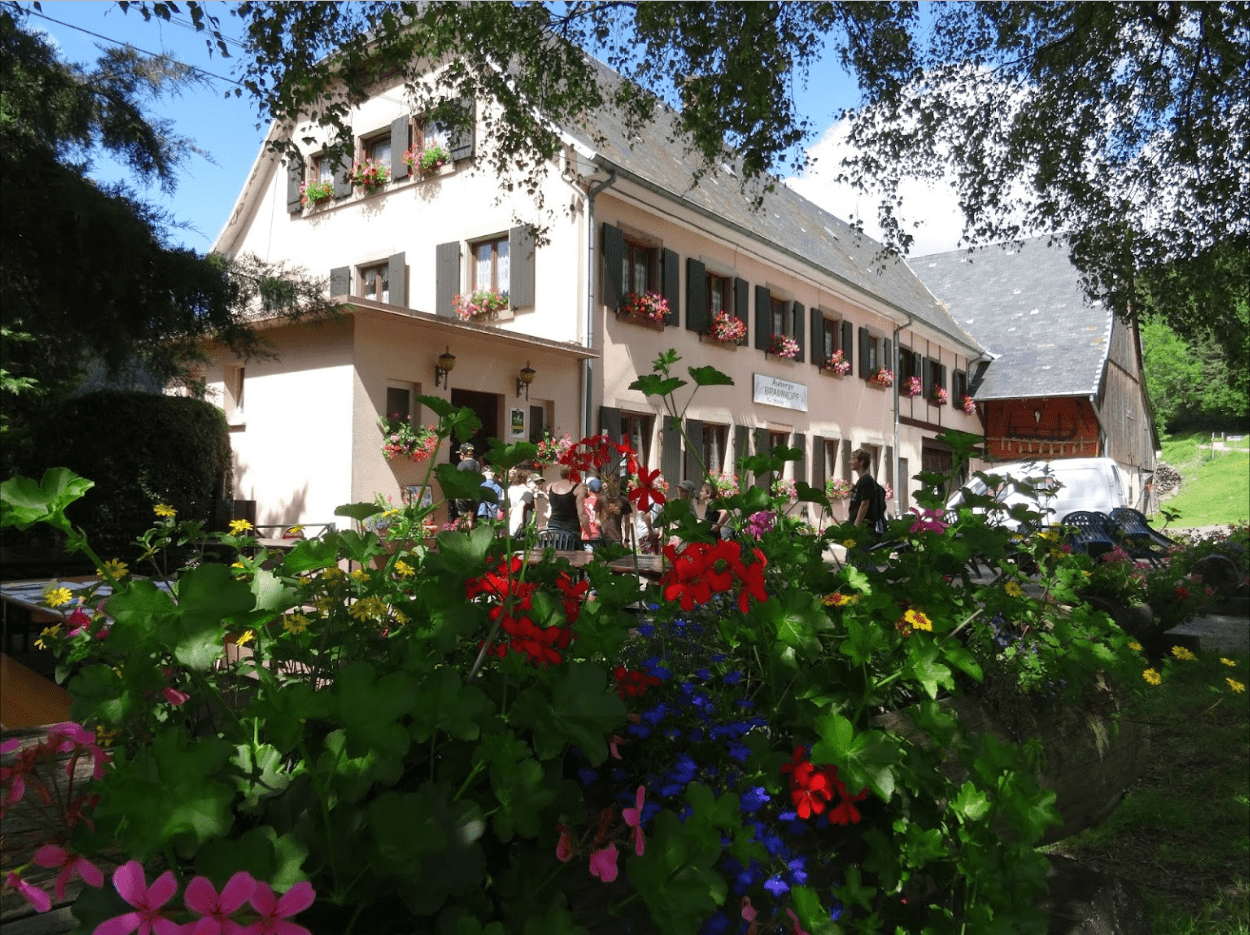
(784, 346)
(370, 175)
(728, 329)
(645, 306)
(480, 304)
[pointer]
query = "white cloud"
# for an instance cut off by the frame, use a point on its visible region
(930, 210)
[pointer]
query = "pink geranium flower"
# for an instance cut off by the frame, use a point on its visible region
(175, 697)
(33, 894)
(53, 858)
(603, 863)
(131, 885)
(217, 909)
(274, 911)
(927, 521)
(564, 845)
(633, 818)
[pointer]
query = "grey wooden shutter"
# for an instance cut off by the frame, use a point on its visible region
(741, 435)
(887, 356)
(864, 338)
(818, 336)
(397, 279)
(538, 423)
(742, 293)
(613, 256)
(521, 279)
(928, 376)
(694, 434)
(889, 468)
(343, 181)
(610, 422)
(819, 472)
(698, 318)
(294, 182)
(671, 269)
(399, 146)
(797, 323)
(848, 343)
(763, 481)
(763, 317)
(670, 450)
(461, 143)
(340, 281)
(846, 460)
(446, 278)
(942, 375)
(800, 466)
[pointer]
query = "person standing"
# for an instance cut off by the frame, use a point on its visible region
(568, 505)
(866, 507)
(466, 507)
(520, 502)
(488, 508)
(591, 533)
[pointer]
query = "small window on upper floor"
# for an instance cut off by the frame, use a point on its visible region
(491, 265)
(719, 295)
(715, 438)
(783, 320)
(322, 170)
(636, 430)
(378, 149)
(640, 268)
(375, 282)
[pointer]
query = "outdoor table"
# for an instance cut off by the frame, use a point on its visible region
(27, 699)
(646, 566)
(578, 558)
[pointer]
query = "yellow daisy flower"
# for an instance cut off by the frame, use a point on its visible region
(848, 543)
(1235, 685)
(917, 621)
(333, 573)
(400, 617)
(1134, 645)
(239, 526)
(324, 604)
(165, 511)
(104, 737)
(403, 569)
(360, 575)
(55, 597)
(113, 568)
(1152, 677)
(295, 623)
(368, 608)
(48, 633)
(1227, 662)
(1183, 654)
(247, 637)
(1013, 589)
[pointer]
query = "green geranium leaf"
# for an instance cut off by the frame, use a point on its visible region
(652, 384)
(445, 703)
(581, 710)
(358, 511)
(312, 554)
(23, 502)
(260, 772)
(972, 804)
(207, 595)
(142, 613)
(370, 709)
(709, 376)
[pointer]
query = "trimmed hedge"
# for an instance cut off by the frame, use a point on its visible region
(140, 449)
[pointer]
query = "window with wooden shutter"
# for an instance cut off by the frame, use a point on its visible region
(613, 265)
(799, 441)
(693, 470)
(610, 423)
(763, 317)
(699, 311)
(671, 285)
(797, 327)
(521, 257)
(446, 278)
(848, 345)
(636, 429)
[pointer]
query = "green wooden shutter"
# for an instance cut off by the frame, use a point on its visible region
(694, 435)
(928, 377)
(741, 436)
(670, 450)
(763, 481)
(848, 343)
(819, 474)
(521, 280)
(671, 271)
(800, 466)
(538, 423)
(399, 146)
(864, 338)
(294, 182)
(818, 336)
(610, 422)
(742, 296)
(446, 278)
(697, 317)
(887, 356)
(341, 281)
(763, 317)
(397, 279)
(613, 256)
(798, 325)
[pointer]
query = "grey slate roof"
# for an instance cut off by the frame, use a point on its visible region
(1025, 304)
(786, 219)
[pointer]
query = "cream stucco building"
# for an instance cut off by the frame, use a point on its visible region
(629, 219)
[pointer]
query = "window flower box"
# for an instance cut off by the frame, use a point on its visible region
(724, 484)
(401, 440)
(939, 397)
(728, 329)
(369, 175)
(967, 405)
(785, 489)
(480, 305)
(782, 345)
(882, 377)
(837, 364)
(646, 306)
(314, 193)
(427, 161)
(911, 387)
(838, 489)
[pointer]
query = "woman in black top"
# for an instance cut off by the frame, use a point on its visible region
(567, 504)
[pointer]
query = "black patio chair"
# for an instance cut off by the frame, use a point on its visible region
(1088, 532)
(1139, 540)
(559, 540)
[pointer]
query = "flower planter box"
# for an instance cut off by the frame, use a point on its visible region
(716, 342)
(641, 320)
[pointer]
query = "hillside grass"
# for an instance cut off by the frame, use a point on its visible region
(1182, 833)
(1214, 491)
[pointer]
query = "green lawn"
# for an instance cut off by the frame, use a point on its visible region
(1215, 490)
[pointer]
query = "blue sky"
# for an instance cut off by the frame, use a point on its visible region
(225, 126)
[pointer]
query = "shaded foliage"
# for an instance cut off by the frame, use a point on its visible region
(1190, 384)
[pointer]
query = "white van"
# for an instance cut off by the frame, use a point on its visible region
(1062, 486)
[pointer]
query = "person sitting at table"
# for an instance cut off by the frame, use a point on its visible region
(568, 510)
(591, 533)
(614, 517)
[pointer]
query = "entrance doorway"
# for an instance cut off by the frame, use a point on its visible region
(487, 407)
